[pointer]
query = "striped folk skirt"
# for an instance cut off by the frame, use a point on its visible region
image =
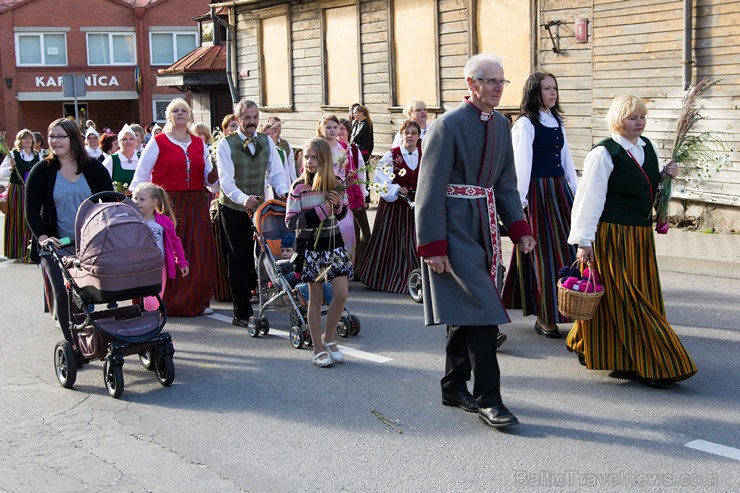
(362, 235)
(223, 291)
(531, 281)
(391, 252)
(629, 331)
(188, 296)
(17, 235)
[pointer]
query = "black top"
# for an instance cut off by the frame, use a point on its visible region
(362, 136)
(41, 213)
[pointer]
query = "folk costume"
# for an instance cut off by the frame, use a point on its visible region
(182, 170)
(17, 235)
(245, 167)
(121, 168)
(391, 253)
(306, 210)
(612, 213)
(547, 181)
(468, 178)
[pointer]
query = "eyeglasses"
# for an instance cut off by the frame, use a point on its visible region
(58, 137)
(494, 82)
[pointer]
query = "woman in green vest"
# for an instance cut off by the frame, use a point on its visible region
(611, 222)
(122, 164)
(16, 167)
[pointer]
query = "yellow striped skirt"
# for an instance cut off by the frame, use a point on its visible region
(629, 331)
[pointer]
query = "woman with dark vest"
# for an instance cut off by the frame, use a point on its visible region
(546, 178)
(391, 253)
(612, 226)
(122, 164)
(16, 167)
(55, 189)
(178, 161)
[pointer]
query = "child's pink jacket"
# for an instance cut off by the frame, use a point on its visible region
(174, 255)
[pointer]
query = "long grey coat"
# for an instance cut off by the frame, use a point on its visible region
(453, 154)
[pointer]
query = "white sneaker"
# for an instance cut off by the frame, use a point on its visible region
(207, 311)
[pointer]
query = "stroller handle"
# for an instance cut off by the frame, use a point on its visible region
(107, 194)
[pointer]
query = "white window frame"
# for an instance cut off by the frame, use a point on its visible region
(43, 63)
(110, 48)
(174, 33)
(163, 98)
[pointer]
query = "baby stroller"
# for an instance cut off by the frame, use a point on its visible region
(275, 290)
(116, 259)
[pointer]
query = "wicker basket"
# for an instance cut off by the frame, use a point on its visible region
(577, 305)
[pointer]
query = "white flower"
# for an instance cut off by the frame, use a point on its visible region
(402, 172)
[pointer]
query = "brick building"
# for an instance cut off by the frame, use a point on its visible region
(116, 45)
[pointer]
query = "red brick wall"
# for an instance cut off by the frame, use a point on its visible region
(85, 13)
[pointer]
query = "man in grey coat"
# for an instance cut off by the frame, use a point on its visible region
(467, 180)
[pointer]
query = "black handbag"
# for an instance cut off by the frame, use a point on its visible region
(298, 257)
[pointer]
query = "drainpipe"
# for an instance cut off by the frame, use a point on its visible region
(687, 31)
(229, 48)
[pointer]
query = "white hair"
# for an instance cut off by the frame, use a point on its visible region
(473, 65)
(242, 105)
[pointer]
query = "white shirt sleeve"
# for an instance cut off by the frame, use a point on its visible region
(226, 173)
(381, 178)
(147, 160)
(290, 166)
(522, 137)
(5, 170)
(568, 165)
(213, 187)
(108, 164)
(277, 178)
(590, 197)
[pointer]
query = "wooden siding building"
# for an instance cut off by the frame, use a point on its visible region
(301, 59)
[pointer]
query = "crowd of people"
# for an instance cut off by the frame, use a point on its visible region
(442, 189)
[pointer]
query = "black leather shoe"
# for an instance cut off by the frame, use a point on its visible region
(659, 383)
(500, 339)
(550, 334)
(497, 416)
(462, 399)
(239, 322)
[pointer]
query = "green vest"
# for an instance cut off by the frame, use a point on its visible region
(22, 167)
(119, 174)
(632, 188)
(249, 170)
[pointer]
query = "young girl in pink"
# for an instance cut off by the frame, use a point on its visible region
(155, 207)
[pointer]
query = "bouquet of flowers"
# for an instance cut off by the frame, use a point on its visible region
(120, 187)
(706, 151)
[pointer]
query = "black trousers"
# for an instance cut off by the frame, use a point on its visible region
(237, 245)
(59, 299)
(472, 348)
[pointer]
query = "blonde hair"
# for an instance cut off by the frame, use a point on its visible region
(621, 107)
(201, 128)
(158, 193)
(322, 123)
(323, 180)
(413, 105)
(22, 134)
(176, 103)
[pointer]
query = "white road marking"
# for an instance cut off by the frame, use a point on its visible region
(375, 358)
(715, 448)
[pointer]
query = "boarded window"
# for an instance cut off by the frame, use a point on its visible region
(414, 39)
(504, 28)
(275, 61)
(341, 37)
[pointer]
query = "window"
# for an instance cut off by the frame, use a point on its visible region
(274, 35)
(415, 60)
(159, 105)
(40, 49)
(168, 47)
(111, 49)
(342, 59)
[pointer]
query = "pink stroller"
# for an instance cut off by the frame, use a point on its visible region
(116, 259)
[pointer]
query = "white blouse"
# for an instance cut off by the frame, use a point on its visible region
(412, 161)
(5, 170)
(126, 163)
(522, 137)
(148, 159)
(591, 196)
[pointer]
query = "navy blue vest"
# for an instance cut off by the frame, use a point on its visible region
(546, 150)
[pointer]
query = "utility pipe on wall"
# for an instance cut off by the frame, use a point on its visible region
(687, 33)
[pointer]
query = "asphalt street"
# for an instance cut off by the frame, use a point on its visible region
(248, 414)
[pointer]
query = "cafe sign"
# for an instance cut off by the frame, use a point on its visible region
(93, 80)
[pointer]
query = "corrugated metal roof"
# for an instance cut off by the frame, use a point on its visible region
(201, 59)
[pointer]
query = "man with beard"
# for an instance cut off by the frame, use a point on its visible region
(245, 159)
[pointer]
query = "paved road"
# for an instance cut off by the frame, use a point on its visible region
(255, 415)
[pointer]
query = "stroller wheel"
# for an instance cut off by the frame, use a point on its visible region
(296, 337)
(147, 360)
(343, 327)
(113, 376)
(65, 364)
(253, 326)
(415, 289)
(295, 319)
(354, 325)
(165, 368)
(265, 326)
